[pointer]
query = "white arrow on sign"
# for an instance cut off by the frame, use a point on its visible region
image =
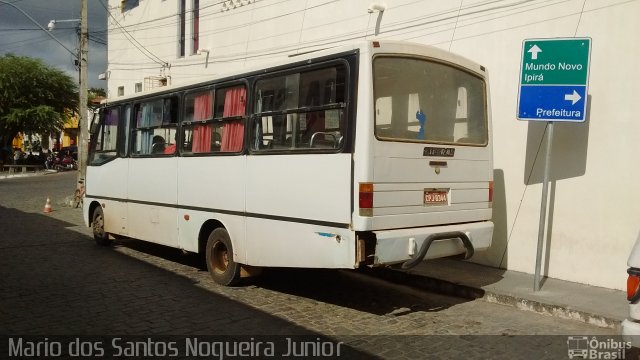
(534, 52)
(574, 98)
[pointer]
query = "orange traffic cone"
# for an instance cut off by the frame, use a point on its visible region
(47, 206)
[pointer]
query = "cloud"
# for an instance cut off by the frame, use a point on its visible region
(20, 36)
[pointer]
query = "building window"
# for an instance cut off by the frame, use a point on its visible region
(120, 90)
(181, 27)
(126, 5)
(138, 87)
(195, 37)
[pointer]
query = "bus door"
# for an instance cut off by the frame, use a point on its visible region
(108, 163)
(152, 175)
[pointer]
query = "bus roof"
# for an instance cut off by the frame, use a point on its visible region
(386, 46)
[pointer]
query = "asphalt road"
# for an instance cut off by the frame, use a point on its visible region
(55, 283)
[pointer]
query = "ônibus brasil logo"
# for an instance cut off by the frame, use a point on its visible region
(584, 348)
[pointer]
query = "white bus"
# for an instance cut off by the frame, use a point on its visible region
(373, 154)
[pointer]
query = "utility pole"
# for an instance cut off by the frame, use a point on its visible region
(83, 122)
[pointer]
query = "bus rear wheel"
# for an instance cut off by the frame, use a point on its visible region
(97, 224)
(220, 262)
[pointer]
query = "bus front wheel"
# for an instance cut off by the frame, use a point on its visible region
(220, 262)
(99, 235)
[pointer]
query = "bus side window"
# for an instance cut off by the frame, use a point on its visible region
(125, 121)
(155, 119)
(314, 103)
(230, 109)
(197, 127)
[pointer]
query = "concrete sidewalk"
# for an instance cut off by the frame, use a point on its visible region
(8, 175)
(590, 304)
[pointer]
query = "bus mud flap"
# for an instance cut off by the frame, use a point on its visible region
(439, 236)
(247, 271)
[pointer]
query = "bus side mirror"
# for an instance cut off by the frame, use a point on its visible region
(94, 128)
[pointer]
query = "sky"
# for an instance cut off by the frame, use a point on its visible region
(20, 36)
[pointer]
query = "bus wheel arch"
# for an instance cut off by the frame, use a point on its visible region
(92, 208)
(205, 230)
(219, 256)
(97, 225)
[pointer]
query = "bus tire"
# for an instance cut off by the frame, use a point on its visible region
(219, 253)
(99, 235)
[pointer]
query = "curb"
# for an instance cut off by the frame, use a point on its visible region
(29, 174)
(448, 288)
(559, 311)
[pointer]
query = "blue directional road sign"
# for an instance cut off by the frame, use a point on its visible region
(554, 79)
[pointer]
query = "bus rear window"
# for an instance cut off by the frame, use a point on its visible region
(418, 100)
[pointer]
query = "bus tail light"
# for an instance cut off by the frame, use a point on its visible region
(633, 286)
(490, 191)
(365, 199)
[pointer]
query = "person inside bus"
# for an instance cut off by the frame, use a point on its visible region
(422, 119)
(171, 148)
(158, 145)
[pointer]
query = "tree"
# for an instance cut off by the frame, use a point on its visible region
(34, 98)
(93, 94)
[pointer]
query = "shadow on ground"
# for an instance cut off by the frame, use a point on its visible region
(56, 281)
(338, 287)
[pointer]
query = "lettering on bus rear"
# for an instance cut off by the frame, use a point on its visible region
(434, 151)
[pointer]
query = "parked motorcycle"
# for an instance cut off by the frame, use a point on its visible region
(66, 162)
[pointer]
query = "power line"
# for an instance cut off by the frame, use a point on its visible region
(23, 42)
(214, 14)
(221, 30)
(229, 28)
(97, 40)
(456, 26)
(139, 46)
(487, 13)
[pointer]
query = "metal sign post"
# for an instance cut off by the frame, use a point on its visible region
(543, 208)
(554, 76)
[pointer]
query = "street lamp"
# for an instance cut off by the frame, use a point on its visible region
(82, 106)
(52, 24)
(4, 2)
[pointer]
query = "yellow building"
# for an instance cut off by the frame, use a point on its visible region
(70, 131)
(68, 136)
(18, 141)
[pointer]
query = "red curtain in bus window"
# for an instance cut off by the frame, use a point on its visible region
(202, 133)
(233, 131)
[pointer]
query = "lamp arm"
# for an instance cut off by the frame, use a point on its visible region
(40, 26)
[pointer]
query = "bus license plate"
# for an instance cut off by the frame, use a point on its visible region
(436, 197)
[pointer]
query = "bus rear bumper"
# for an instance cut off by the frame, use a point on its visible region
(395, 246)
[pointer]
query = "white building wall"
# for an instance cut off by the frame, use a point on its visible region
(594, 199)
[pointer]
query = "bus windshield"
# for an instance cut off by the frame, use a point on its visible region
(423, 101)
